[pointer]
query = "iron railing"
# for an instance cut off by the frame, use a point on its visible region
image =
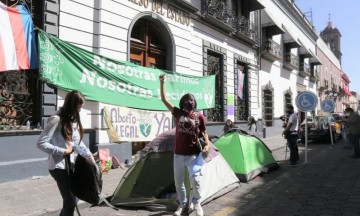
(221, 11)
(272, 47)
(292, 60)
(16, 106)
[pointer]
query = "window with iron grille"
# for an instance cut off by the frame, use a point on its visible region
(241, 86)
(20, 90)
(268, 105)
(215, 67)
(287, 99)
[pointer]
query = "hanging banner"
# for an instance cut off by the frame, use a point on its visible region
(17, 39)
(241, 78)
(132, 125)
(116, 82)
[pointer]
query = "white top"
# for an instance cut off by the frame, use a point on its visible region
(294, 120)
(52, 142)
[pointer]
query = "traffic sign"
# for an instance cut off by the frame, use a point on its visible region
(306, 101)
(328, 105)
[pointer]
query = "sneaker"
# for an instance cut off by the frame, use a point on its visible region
(292, 164)
(198, 210)
(191, 207)
(180, 209)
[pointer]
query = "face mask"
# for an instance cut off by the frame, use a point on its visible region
(289, 112)
(347, 114)
(189, 105)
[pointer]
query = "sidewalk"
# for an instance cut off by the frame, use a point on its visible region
(328, 184)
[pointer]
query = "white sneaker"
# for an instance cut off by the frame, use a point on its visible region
(191, 207)
(180, 209)
(198, 210)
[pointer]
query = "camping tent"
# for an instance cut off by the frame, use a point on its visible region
(246, 154)
(149, 182)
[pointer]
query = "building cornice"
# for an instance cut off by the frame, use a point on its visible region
(299, 19)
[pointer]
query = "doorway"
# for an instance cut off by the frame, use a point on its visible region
(146, 46)
(147, 49)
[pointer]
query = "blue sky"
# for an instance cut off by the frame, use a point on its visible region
(345, 15)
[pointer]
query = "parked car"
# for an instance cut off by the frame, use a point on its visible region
(319, 129)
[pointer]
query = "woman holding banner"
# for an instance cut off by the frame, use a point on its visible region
(186, 153)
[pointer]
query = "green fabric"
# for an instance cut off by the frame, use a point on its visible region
(116, 82)
(244, 153)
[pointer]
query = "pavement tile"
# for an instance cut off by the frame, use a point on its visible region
(328, 184)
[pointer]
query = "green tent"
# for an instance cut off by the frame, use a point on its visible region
(246, 154)
(149, 181)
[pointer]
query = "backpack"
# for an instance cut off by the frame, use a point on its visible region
(86, 181)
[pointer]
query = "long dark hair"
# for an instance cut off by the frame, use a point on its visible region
(186, 97)
(70, 114)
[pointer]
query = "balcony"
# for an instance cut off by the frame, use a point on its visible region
(271, 50)
(304, 70)
(291, 61)
(314, 77)
(219, 14)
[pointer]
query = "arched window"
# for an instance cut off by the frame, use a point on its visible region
(146, 46)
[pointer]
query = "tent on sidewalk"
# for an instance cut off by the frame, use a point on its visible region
(149, 182)
(246, 154)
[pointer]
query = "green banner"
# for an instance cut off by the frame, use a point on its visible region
(116, 82)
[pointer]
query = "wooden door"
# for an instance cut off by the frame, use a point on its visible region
(146, 47)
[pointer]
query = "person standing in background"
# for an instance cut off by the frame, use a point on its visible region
(228, 125)
(252, 128)
(353, 124)
(291, 133)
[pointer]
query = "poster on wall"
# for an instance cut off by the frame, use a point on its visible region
(134, 125)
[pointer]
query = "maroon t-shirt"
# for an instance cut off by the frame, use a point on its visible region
(185, 138)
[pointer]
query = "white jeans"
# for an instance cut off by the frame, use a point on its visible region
(181, 163)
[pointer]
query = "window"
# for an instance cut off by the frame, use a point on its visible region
(215, 67)
(147, 48)
(18, 99)
(287, 99)
(268, 105)
(20, 91)
(241, 92)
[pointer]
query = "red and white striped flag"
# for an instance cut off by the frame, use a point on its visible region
(17, 39)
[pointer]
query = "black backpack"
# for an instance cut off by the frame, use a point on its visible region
(86, 181)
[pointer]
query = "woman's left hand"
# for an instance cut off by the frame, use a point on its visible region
(205, 148)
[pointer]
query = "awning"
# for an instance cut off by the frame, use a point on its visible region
(270, 25)
(314, 59)
(346, 91)
(253, 5)
(303, 51)
(290, 39)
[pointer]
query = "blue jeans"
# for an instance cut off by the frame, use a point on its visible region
(181, 163)
(294, 151)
